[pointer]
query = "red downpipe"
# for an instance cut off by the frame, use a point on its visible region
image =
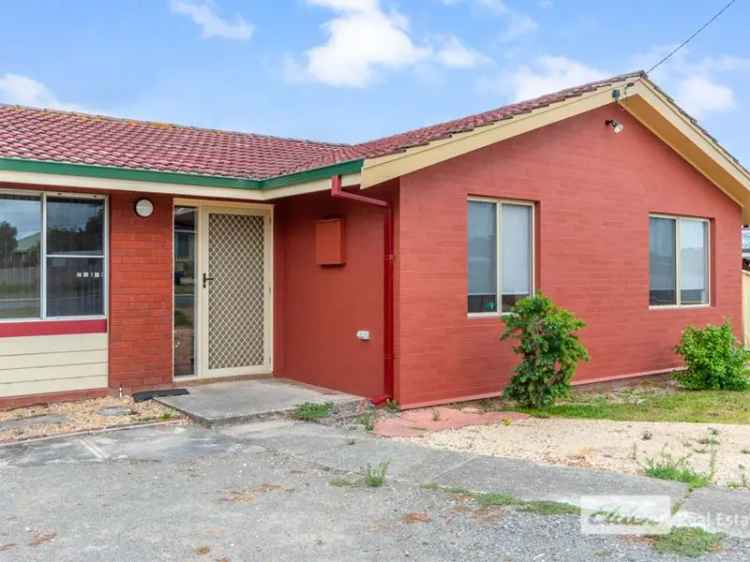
(388, 255)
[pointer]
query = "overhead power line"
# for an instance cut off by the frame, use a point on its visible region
(693, 36)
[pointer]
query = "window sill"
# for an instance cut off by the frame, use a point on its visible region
(486, 314)
(678, 306)
(56, 327)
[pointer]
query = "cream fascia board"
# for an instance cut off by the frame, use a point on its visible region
(82, 182)
(683, 123)
(378, 170)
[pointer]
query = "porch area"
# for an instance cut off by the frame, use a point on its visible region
(224, 403)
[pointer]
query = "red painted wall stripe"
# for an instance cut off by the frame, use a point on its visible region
(52, 328)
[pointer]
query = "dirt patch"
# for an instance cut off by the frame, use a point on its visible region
(69, 417)
(609, 445)
(249, 495)
(411, 518)
(42, 538)
(414, 423)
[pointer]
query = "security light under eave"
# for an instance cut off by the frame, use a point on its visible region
(617, 127)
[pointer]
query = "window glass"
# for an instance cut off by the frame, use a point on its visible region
(693, 262)
(184, 291)
(20, 246)
(516, 253)
(662, 261)
(482, 256)
(75, 286)
(75, 226)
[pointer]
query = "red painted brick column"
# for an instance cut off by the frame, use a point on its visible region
(140, 304)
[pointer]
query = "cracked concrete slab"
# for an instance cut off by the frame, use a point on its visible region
(717, 510)
(528, 481)
(239, 402)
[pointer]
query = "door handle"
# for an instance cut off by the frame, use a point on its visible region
(206, 279)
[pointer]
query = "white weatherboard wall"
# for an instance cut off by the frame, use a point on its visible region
(45, 364)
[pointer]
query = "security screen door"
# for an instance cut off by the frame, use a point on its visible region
(235, 283)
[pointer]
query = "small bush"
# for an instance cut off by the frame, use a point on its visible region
(549, 348)
(310, 411)
(375, 475)
(715, 359)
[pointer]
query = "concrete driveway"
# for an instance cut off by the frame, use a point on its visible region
(278, 491)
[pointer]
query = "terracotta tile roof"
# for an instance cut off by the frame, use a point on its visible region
(48, 135)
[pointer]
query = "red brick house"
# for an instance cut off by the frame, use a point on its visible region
(141, 255)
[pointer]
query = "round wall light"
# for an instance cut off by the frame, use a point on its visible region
(144, 208)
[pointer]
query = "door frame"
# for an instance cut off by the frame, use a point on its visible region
(203, 208)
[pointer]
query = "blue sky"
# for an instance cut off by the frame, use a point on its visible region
(351, 70)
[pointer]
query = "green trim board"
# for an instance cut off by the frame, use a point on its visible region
(128, 174)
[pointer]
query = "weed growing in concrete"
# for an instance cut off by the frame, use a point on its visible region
(668, 467)
(343, 483)
(688, 541)
(375, 475)
(392, 406)
(367, 420)
(493, 499)
(489, 499)
(550, 508)
(310, 411)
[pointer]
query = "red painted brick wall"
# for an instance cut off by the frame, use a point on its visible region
(318, 309)
(594, 192)
(140, 305)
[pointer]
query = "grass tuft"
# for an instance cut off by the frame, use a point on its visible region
(375, 475)
(688, 541)
(310, 411)
(343, 483)
(700, 406)
(668, 467)
(550, 508)
(367, 420)
(392, 406)
(490, 499)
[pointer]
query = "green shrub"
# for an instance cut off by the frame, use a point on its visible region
(715, 359)
(549, 348)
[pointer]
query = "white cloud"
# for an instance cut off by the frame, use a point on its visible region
(699, 85)
(546, 75)
(457, 55)
(700, 95)
(22, 90)
(363, 40)
(498, 6)
(204, 16)
(517, 23)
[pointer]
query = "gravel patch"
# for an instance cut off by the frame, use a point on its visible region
(85, 415)
(608, 445)
(259, 505)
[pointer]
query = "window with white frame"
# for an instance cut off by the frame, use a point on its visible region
(500, 255)
(678, 261)
(52, 255)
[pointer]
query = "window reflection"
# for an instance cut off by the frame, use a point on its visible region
(20, 247)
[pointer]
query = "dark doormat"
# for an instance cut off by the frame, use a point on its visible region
(144, 395)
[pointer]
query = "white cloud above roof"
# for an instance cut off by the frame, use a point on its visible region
(364, 40)
(16, 89)
(544, 75)
(203, 14)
